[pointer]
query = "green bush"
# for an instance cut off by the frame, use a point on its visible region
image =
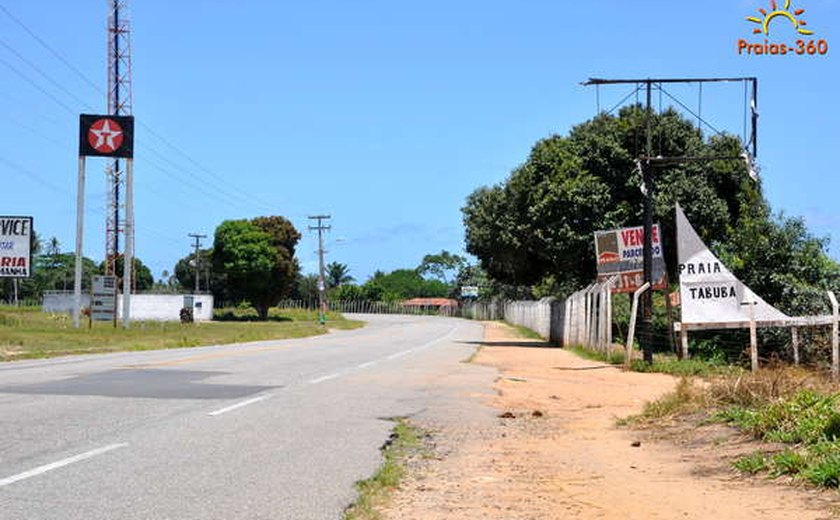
(787, 462)
(807, 417)
(824, 472)
(752, 463)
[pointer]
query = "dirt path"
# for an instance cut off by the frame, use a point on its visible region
(561, 455)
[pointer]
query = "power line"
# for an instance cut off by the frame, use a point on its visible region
(248, 199)
(52, 51)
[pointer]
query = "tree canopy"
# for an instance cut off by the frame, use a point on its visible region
(256, 260)
(540, 221)
(536, 228)
(443, 265)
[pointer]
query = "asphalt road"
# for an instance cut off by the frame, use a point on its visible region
(268, 430)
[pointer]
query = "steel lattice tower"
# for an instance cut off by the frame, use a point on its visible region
(119, 103)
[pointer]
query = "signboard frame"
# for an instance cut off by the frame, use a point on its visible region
(10, 242)
(619, 252)
(103, 298)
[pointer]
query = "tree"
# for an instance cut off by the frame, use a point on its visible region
(442, 265)
(307, 288)
(540, 222)
(143, 278)
(338, 275)
(256, 259)
(208, 278)
(402, 284)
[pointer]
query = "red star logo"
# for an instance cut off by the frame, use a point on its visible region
(105, 135)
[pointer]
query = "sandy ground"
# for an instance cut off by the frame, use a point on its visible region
(555, 452)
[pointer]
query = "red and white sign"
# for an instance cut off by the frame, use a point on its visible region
(105, 136)
(620, 252)
(102, 135)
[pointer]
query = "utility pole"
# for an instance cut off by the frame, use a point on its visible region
(647, 162)
(322, 287)
(197, 246)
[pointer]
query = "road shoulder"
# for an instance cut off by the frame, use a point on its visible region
(554, 452)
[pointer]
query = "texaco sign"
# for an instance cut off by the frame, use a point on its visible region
(106, 136)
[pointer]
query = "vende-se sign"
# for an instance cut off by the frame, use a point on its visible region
(620, 252)
(15, 247)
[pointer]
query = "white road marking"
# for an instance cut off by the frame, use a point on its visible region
(324, 378)
(59, 464)
(395, 355)
(240, 405)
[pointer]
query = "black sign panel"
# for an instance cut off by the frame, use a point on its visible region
(106, 136)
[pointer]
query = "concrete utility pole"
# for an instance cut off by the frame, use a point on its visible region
(322, 287)
(197, 246)
(648, 162)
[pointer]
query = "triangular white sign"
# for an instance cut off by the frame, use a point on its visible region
(709, 292)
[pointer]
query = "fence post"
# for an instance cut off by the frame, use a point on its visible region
(794, 340)
(835, 352)
(683, 340)
(631, 331)
(753, 337)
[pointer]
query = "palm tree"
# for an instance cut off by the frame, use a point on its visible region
(338, 274)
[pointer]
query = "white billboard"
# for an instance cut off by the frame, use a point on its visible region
(15, 247)
(709, 292)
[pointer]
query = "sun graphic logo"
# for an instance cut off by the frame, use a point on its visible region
(783, 13)
(786, 13)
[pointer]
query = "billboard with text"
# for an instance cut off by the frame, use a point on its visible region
(620, 252)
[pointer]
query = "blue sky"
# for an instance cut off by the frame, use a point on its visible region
(385, 114)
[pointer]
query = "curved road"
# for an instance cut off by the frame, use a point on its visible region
(268, 430)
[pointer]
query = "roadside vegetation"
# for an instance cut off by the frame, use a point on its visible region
(28, 333)
(405, 442)
(792, 413)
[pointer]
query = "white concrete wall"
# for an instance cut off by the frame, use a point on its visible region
(533, 315)
(166, 307)
(61, 302)
(144, 307)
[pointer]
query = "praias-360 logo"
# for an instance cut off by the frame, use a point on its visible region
(775, 18)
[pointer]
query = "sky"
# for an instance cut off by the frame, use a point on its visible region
(385, 115)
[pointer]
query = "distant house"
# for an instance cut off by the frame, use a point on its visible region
(442, 306)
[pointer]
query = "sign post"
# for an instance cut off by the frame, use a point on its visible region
(103, 300)
(105, 136)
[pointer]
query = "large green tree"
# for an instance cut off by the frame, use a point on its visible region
(402, 284)
(257, 260)
(443, 265)
(539, 223)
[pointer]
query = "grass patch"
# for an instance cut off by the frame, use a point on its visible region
(405, 441)
(525, 332)
(28, 333)
(782, 405)
(686, 398)
(670, 364)
(752, 463)
(613, 357)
